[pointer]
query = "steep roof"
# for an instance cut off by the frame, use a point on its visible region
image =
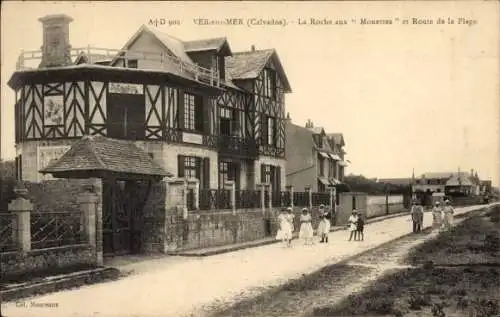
(317, 130)
(462, 180)
(170, 43)
(213, 44)
(93, 154)
(440, 175)
(248, 65)
(338, 138)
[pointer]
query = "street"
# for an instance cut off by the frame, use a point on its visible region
(175, 286)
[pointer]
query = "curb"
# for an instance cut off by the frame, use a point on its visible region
(233, 248)
(61, 282)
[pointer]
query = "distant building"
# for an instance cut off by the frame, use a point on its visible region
(314, 159)
(449, 183)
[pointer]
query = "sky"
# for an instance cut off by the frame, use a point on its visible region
(410, 97)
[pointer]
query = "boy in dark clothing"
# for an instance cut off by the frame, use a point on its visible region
(360, 226)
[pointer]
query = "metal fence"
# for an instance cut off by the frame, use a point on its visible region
(216, 199)
(8, 230)
(54, 229)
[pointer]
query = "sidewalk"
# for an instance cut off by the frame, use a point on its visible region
(182, 286)
(261, 242)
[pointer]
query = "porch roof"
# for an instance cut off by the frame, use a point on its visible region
(98, 156)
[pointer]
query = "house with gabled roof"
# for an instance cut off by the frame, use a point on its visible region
(315, 159)
(198, 109)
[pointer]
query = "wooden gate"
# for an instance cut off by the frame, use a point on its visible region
(123, 204)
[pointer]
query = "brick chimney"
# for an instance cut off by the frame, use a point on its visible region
(56, 47)
(252, 48)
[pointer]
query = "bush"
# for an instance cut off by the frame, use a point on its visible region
(380, 305)
(416, 302)
(492, 242)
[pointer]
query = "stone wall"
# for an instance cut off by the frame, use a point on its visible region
(58, 194)
(46, 261)
(377, 210)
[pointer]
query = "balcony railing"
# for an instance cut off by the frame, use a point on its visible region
(161, 61)
(238, 147)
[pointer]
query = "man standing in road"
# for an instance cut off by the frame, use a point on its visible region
(417, 216)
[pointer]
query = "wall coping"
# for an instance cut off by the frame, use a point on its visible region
(35, 252)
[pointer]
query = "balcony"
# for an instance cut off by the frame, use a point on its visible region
(238, 147)
(154, 61)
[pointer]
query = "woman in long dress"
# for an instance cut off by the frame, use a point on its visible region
(353, 224)
(306, 230)
(448, 212)
(437, 217)
(285, 227)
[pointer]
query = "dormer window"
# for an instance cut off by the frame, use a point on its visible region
(216, 64)
(269, 83)
(132, 63)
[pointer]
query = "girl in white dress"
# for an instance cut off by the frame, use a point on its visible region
(306, 230)
(353, 224)
(448, 212)
(437, 218)
(323, 228)
(285, 220)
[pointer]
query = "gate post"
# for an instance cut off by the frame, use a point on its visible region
(262, 188)
(22, 208)
(88, 205)
(232, 195)
(290, 191)
(309, 193)
(270, 191)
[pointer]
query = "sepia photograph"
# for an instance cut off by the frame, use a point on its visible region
(250, 158)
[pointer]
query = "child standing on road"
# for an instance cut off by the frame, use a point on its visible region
(285, 228)
(360, 227)
(324, 228)
(353, 224)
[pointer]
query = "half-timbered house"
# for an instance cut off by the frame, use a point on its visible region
(198, 108)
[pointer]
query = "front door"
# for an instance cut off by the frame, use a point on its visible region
(122, 210)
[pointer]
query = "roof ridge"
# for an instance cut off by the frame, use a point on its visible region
(255, 51)
(92, 150)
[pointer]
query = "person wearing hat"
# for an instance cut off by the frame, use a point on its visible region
(448, 212)
(353, 224)
(323, 228)
(417, 216)
(437, 217)
(306, 230)
(285, 226)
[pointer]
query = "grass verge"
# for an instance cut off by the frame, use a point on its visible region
(459, 276)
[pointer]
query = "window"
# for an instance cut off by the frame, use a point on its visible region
(321, 164)
(269, 83)
(266, 174)
(126, 116)
(193, 112)
(229, 122)
(190, 166)
(269, 131)
(229, 171)
(132, 63)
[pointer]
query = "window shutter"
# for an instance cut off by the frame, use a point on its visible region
(180, 113)
(180, 165)
(200, 113)
(206, 173)
(262, 173)
(198, 168)
(206, 118)
(278, 178)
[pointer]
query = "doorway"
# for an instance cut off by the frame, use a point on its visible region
(123, 204)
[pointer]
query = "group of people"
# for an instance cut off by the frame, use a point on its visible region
(306, 231)
(442, 217)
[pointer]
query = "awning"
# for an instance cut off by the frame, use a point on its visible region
(342, 163)
(98, 156)
(324, 154)
(324, 181)
(335, 157)
(334, 181)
